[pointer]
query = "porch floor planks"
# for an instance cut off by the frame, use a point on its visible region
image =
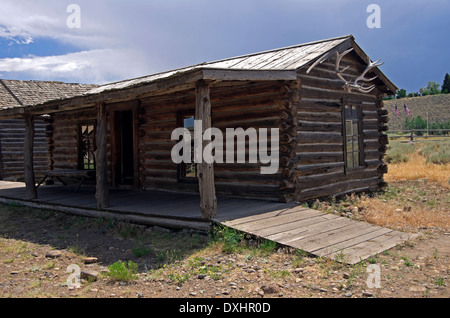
(350, 239)
(321, 234)
(259, 217)
(374, 246)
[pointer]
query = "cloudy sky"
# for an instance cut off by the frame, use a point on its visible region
(117, 39)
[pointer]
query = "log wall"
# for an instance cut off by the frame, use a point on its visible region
(319, 162)
(235, 105)
(12, 136)
(62, 134)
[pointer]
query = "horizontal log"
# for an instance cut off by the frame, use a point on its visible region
(335, 117)
(320, 180)
(319, 107)
(319, 126)
(338, 188)
(370, 134)
(319, 157)
(319, 147)
(313, 169)
(318, 137)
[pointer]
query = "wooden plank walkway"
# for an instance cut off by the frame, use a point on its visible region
(320, 233)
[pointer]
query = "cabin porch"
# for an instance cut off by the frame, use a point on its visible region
(152, 207)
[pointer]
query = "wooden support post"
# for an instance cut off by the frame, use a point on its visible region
(31, 192)
(208, 200)
(102, 187)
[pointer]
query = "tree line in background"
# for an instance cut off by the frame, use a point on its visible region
(431, 89)
(437, 128)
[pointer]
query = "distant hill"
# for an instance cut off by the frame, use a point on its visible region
(437, 107)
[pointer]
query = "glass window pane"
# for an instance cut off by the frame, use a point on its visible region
(356, 159)
(348, 128)
(349, 160)
(355, 114)
(189, 122)
(355, 129)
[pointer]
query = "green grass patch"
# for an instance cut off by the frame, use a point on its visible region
(399, 152)
(123, 271)
(437, 152)
(232, 239)
(141, 251)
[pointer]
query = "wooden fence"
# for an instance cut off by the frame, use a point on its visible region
(414, 134)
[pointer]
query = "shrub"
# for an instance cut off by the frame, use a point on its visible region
(399, 152)
(122, 271)
(231, 238)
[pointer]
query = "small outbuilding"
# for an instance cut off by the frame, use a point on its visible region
(325, 100)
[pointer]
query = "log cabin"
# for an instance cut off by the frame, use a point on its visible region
(15, 93)
(325, 98)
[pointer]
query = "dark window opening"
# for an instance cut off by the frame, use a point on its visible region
(353, 149)
(188, 171)
(86, 157)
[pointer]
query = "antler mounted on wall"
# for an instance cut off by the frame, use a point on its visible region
(350, 86)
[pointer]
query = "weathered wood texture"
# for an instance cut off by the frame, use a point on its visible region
(320, 233)
(307, 111)
(63, 137)
(102, 184)
(234, 105)
(12, 136)
(207, 189)
(30, 182)
(319, 163)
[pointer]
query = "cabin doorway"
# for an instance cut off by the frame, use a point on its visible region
(124, 148)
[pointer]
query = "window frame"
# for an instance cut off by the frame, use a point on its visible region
(357, 108)
(181, 167)
(81, 164)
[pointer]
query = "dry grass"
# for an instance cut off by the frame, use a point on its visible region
(408, 215)
(417, 168)
(418, 195)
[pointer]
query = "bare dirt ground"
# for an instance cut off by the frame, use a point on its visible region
(186, 264)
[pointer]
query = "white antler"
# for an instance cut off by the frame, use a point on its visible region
(349, 86)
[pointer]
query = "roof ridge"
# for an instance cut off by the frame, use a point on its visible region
(228, 59)
(280, 49)
(47, 82)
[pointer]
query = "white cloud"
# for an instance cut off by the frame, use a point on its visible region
(94, 66)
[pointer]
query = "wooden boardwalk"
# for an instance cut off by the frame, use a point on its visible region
(318, 233)
(321, 234)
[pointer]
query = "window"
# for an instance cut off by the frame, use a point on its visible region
(187, 171)
(353, 149)
(86, 159)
